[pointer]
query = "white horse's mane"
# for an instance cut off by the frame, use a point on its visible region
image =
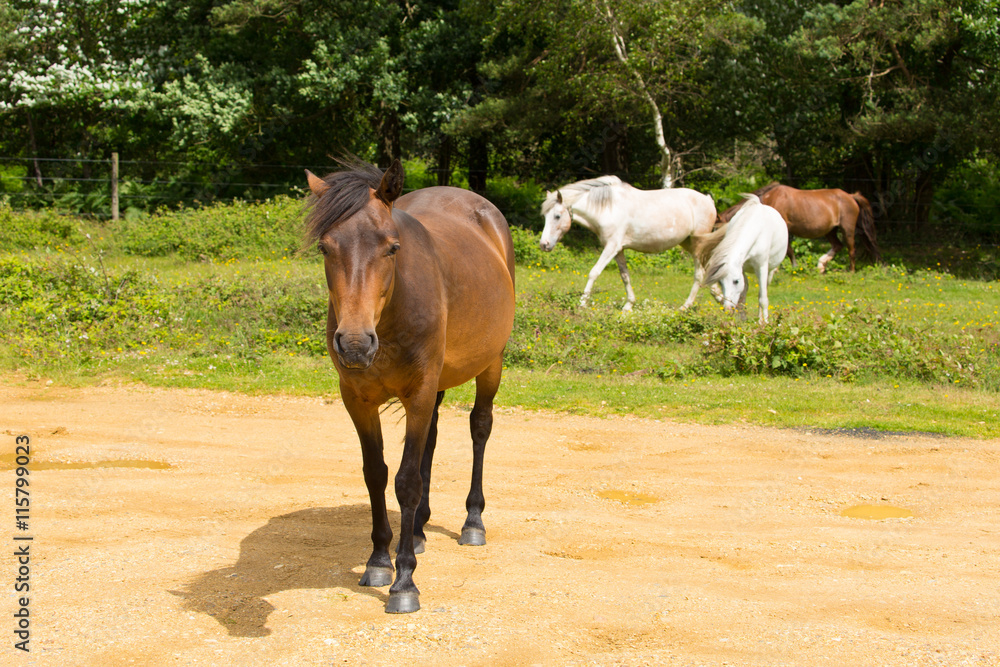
(717, 264)
(599, 189)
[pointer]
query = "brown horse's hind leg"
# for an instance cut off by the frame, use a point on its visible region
(481, 425)
(835, 246)
(378, 570)
(849, 237)
(424, 509)
(790, 253)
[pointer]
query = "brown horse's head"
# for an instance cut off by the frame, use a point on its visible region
(351, 223)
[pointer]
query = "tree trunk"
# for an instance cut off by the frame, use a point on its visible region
(479, 163)
(443, 167)
(34, 150)
(387, 127)
(614, 156)
(669, 162)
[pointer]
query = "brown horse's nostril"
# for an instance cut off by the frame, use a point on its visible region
(356, 350)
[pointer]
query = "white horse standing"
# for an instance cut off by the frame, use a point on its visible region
(756, 238)
(624, 217)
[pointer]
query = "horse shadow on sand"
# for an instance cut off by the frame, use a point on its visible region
(311, 548)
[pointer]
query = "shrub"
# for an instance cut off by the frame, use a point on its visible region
(527, 252)
(848, 343)
(520, 202)
(218, 232)
(967, 201)
(30, 230)
(61, 308)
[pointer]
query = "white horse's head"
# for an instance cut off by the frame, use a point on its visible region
(732, 286)
(725, 266)
(730, 279)
(558, 218)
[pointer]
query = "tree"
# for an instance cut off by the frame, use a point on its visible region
(586, 68)
(917, 92)
(67, 72)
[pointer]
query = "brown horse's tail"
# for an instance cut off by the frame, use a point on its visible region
(866, 223)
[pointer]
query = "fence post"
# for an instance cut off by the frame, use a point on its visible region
(114, 186)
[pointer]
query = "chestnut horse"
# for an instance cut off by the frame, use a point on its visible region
(813, 214)
(421, 299)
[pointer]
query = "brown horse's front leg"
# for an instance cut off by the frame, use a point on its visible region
(378, 570)
(404, 597)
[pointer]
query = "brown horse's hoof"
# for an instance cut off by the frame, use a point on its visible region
(419, 545)
(475, 537)
(405, 602)
(376, 576)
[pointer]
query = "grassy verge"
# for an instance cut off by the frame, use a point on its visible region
(906, 346)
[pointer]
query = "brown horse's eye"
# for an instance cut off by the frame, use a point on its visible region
(322, 250)
(392, 249)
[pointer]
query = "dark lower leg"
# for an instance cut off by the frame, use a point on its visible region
(481, 425)
(378, 569)
(424, 509)
(403, 594)
(481, 422)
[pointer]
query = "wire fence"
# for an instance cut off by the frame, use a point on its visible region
(86, 185)
(43, 180)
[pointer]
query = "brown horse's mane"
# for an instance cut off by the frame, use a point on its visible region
(348, 192)
(728, 214)
(767, 188)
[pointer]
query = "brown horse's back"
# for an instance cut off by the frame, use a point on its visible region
(811, 214)
(472, 242)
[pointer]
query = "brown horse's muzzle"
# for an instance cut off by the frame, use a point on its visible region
(355, 350)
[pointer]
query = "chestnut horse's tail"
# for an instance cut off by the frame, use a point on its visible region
(866, 223)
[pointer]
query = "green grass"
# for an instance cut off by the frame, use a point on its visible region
(912, 345)
(779, 402)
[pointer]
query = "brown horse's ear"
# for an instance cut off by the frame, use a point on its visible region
(316, 184)
(392, 183)
(558, 196)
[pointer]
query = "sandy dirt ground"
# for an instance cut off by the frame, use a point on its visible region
(209, 528)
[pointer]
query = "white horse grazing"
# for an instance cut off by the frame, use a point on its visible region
(624, 217)
(757, 238)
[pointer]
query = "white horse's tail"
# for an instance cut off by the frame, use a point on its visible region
(718, 250)
(703, 245)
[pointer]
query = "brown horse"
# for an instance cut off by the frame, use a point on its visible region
(421, 299)
(813, 214)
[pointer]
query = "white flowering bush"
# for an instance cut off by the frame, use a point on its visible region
(67, 52)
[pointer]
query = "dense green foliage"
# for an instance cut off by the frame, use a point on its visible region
(208, 100)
